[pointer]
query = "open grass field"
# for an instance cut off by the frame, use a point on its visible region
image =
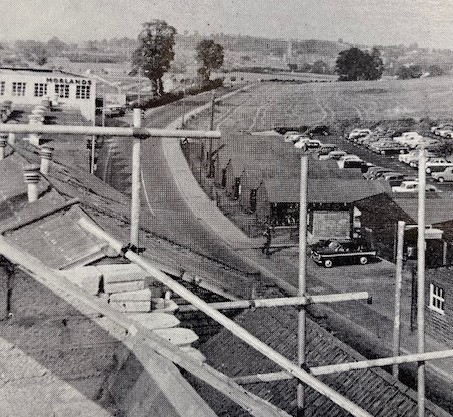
(276, 104)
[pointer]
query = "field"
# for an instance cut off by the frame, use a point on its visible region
(276, 104)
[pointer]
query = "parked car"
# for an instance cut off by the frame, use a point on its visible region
(393, 178)
(445, 175)
(336, 154)
(437, 165)
(389, 147)
(350, 161)
(294, 137)
(336, 252)
(412, 187)
(355, 133)
(371, 173)
(411, 139)
(305, 142)
(326, 148)
(318, 130)
(411, 158)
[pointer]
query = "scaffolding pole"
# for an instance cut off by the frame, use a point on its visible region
(135, 203)
(282, 301)
(421, 280)
(347, 366)
(224, 321)
(301, 332)
(142, 133)
(398, 287)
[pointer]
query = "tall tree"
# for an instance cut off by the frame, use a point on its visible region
(210, 56)
(354, 64)
(155, 52)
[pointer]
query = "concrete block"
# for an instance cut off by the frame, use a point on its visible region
(117, 287)
(178, 336)
(86, 277)
(122, 273)
(132, 301)
(154, 321)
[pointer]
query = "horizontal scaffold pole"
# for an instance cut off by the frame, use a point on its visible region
(141, 132)
(350, 366)
(344, 367)
(227, 323)
(280, 302)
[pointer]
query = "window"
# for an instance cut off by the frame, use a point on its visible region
(40, 89)
(19, 89)
(436, 299)
(2, 88)
(62, 90)
(83, 91)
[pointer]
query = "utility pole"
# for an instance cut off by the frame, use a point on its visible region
(301, 333)
(183, 105)
(211, 127)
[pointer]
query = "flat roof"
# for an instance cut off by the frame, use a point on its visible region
(37, 71)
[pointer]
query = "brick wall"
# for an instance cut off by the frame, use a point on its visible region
(439, 325)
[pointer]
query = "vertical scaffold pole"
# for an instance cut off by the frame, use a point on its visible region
(421, 246)
(135, 204)
(398, 286)
(302, 277)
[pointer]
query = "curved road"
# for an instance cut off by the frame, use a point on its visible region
(164, 210)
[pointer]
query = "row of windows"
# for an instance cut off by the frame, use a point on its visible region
(18, 89)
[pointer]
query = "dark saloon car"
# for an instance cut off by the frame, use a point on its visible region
(339, 252)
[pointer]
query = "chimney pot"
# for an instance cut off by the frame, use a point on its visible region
(3, 141)
(31, 178)
(46, 157)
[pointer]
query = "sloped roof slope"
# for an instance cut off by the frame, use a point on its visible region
(372, 389)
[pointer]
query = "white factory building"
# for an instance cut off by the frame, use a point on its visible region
(27, 86)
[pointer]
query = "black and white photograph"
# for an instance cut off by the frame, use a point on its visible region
(226, 208)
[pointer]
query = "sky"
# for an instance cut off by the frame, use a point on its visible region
(371, 22)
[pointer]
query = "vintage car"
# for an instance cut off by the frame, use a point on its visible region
(339, 252)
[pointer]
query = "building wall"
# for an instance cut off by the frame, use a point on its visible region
(438, 325)
(46, 84)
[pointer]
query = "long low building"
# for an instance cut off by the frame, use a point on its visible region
(29, 86)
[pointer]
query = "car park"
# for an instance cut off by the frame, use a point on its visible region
(443, 176)
(412, 187)
(329, 253)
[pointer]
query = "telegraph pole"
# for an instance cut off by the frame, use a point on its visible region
(211, 127)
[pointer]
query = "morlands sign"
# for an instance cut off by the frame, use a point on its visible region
(68, 81)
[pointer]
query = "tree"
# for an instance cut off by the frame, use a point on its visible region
(411, 71)
(33, 51)
(55, 46)
(155, 53)
(435, 71)
(354, 64)
(210, 56)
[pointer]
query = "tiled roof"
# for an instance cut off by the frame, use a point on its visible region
(438, 207)
(332, 190)
(371, 389)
